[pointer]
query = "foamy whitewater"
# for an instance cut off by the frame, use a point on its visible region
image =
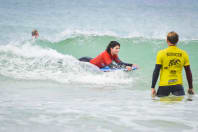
(44, 88)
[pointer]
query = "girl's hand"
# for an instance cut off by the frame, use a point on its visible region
(129, 68)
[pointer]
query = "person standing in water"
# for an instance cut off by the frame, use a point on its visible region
(169, 63)
(107, 57)
(35, 34)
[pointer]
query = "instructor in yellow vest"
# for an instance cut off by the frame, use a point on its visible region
(169, 64)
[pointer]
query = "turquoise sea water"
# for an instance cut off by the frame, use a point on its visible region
(43, 87)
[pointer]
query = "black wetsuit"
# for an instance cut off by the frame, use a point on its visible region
(85, 59)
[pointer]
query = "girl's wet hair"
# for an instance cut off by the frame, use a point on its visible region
(112, 44)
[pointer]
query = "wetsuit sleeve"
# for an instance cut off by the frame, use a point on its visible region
(186, 59)
(189, 76)
(157, 69)
(121, 63)
(155, 75)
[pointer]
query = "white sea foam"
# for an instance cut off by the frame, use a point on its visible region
(32, 62)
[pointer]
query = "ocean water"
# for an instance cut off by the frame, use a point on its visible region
(44, 88)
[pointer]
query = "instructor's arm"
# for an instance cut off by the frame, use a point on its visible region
(188, 73)
(156, 72)
(189, 78)
(155, 78)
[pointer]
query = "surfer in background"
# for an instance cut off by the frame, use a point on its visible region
(107, 57)
(35, 34)
(170, 62)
